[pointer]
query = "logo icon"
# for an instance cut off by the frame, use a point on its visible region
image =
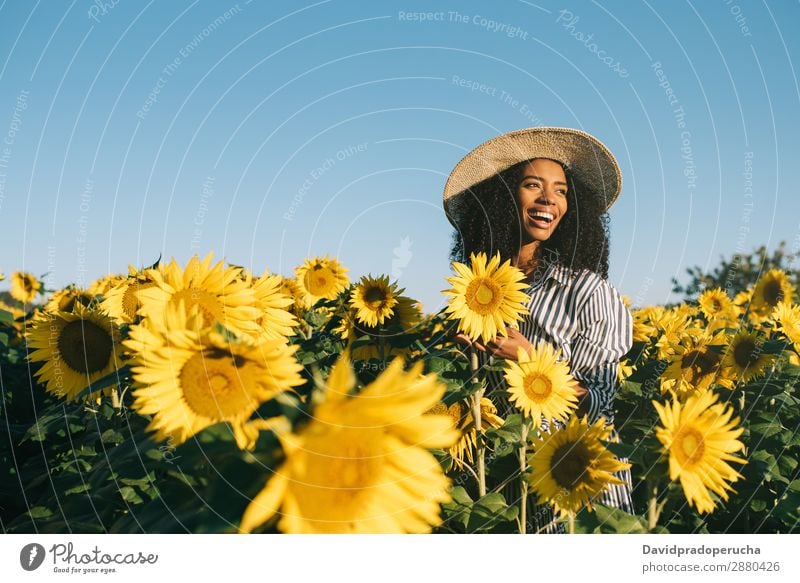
(31, 556)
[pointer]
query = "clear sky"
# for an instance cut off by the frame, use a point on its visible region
(272, 131)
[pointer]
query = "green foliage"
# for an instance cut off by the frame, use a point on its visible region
(737, 273)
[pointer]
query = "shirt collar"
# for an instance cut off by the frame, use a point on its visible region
(554, 271)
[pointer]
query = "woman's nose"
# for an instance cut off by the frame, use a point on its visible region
(546, 196)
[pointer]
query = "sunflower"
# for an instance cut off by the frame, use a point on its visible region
(64, 300)
(485, 298)
(360, 465)
(787, 320)
(122, 302)
(103, 285)
(220, 293)
(772, 288)
(699, 436)
(291, 289)
(743, 298)
(373, 299)
(406, 316)
(695, 364)
(718, 308)
(461, 415)
(14, 310)
(77, 348)
(321, 278)
(541, 386)
(276, 321)
(189, 376)
(643, 323)
(625, 370)
(745, 358)
(24, 286)
(571, 466)
(674, 327)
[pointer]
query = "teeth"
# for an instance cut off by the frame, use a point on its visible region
(542, 215)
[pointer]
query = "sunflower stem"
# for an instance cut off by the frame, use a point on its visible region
(116, 402)
(381, 344)
(476, 415)
(523, 465)
(571, 523)
(653, 509)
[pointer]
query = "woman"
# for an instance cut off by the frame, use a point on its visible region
(539, 197)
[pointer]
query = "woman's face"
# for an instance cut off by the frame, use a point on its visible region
(542, 198)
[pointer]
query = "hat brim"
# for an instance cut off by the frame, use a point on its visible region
(584, 155)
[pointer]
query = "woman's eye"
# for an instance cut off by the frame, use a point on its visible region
(531, 185)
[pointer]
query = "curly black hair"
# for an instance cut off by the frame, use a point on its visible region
(489, 221)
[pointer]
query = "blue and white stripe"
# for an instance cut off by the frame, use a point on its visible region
(584, 316)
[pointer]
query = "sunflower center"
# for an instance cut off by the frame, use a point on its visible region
(570, 464)
(342, 467)
(455, 413)
(690, 446)
(698, 364)
(208, 303)
(27, 283)
(374, 297)
(745, 353)
(538, 387)
(130, 299)
(214, 385)
(716, 305)
(773, 293)
(483, 296)
(85, 347)
(319, 280)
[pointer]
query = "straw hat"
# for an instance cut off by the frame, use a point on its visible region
(584, 155)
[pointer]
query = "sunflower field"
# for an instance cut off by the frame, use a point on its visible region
(204, 398)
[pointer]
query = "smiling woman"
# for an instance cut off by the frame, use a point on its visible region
(538, 197)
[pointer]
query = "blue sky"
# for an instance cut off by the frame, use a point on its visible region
(269, 132)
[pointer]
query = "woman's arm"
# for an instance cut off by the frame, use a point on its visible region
(503, 347)
(604, 337)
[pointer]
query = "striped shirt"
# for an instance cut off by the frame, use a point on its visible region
(584, 316)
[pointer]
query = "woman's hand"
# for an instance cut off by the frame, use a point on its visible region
(502, 347)
(583, 400)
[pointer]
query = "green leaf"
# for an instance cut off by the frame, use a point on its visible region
(489, 511)
(112, 436)
(618, 521)
(460, 496)
(39, 512)
(507, 437)
(129, 495)
(765, 429)
(439, 365)
(630, 388)
(456, 512)
(79, 489)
